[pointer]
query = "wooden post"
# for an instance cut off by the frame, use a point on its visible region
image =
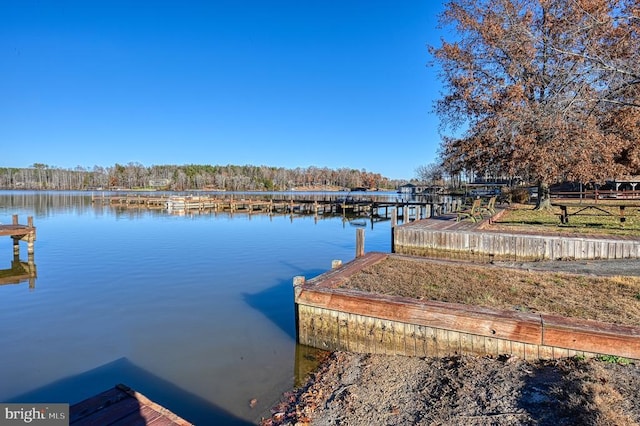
(298, 281)
(359, 242)
(15, 219)
(394, 223)
(16, 246)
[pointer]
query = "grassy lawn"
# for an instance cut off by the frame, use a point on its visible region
(608, 299)
(590, 221)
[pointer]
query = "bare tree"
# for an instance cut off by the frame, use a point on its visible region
(430, 173)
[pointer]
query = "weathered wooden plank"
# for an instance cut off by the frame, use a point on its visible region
(359, 335)
(591, 336)
(517, 349)
(431, 341)
(491, 345)
(333, 329)
(110, 413)
(466, 344)
(324, 328)
(442, 342)
(453, 339)
(378, 337)
(389, 335)
(305, 325)
(368, 343)
(122, 406)
(559, 353)
(457, 317)
(478, 344)
(504, 346)
(421, 341)
(531, 352)
(410, 340)
(545, 352)
(343, 331)
(95, 403)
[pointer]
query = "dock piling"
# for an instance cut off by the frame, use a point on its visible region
(359, 242)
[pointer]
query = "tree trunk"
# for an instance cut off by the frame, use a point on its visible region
(543, 201)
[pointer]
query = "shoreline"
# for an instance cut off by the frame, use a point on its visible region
(363, 389)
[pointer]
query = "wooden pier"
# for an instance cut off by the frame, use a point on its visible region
(20, 233)
(285, 204)
(122, 405)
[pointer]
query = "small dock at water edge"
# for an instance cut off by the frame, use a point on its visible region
(19, 232)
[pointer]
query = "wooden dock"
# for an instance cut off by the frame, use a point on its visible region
(122, 405)
(20, 233)
(284, 204)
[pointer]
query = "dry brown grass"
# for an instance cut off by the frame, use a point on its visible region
(590, 393)
(608, 299)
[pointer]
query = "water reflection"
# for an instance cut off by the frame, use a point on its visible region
(306, 361)
(20, 272)
(204, 301)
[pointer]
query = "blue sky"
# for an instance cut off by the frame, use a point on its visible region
(280, 83)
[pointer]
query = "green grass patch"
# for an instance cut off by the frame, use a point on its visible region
(614, 359)
(524, 216)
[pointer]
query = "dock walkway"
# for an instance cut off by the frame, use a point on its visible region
(122, 405)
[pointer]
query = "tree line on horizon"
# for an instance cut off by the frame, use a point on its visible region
(189, 177)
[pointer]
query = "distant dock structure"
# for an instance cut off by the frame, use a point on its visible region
(19, 233)
(291, 204)
(20, 271)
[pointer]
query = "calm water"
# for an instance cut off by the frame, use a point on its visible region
(195, 311)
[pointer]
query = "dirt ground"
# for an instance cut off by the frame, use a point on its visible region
(362, 389)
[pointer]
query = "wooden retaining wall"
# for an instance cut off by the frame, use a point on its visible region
(475, 244)
(342, 319)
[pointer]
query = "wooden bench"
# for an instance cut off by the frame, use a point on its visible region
(474, 212)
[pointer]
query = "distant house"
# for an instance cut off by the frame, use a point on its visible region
(412, 189)
(407, 188)
(626, 183)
